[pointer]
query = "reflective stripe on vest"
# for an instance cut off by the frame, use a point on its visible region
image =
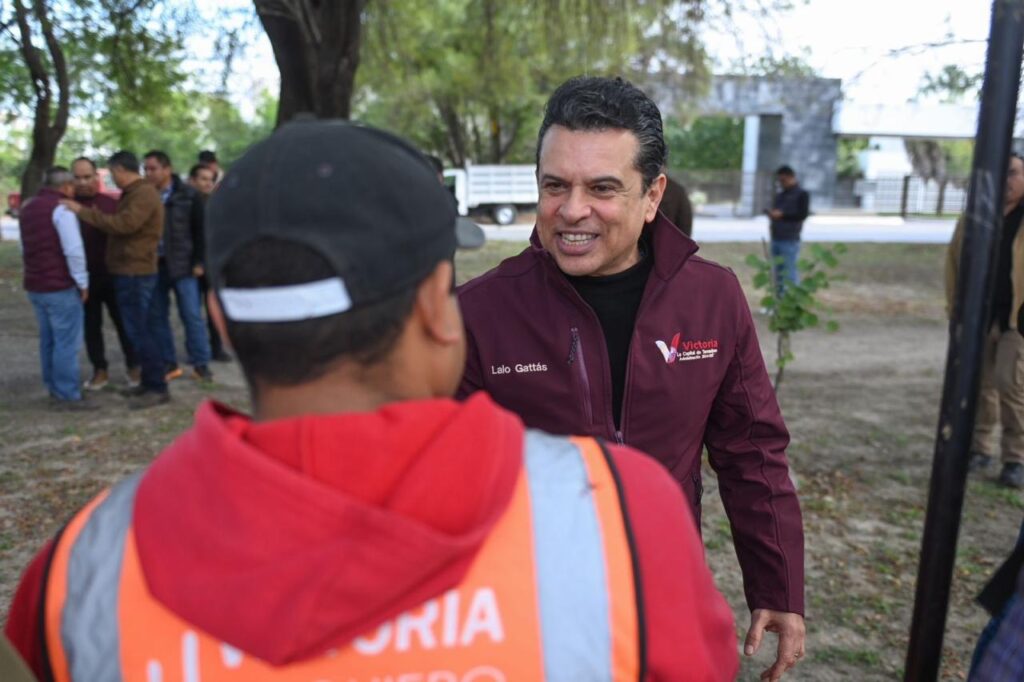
(552, 594)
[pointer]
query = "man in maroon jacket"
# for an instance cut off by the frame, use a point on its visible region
(610, 325)
(101, 285)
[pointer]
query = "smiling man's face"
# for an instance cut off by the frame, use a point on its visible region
(593, 205)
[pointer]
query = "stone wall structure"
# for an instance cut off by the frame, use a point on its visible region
(787, 120)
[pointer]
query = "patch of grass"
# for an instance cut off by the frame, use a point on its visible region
(850, 656)
(998, 494)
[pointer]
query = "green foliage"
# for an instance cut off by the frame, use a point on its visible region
(785, 66)
(709, 143)
(847, 163)
(951, 83)
(467, 79)
(796, 307)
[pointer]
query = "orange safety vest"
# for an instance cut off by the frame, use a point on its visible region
(553, 594)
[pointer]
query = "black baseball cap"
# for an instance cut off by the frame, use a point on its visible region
(364, 199)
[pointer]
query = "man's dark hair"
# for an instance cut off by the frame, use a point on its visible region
(436, 163)
(787, 171)
(293, 353)
(591, 103)
(87, 160)
(194, 170)
(57, 176)
(161, 157)
(207, 156)
(125, 160)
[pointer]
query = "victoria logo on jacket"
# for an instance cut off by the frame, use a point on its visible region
(684, 351)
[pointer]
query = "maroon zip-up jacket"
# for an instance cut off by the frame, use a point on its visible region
(695, 377)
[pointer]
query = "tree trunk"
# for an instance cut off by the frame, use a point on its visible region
(45, 135)
(316, 46)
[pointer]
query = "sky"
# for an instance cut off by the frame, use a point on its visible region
(852, 41)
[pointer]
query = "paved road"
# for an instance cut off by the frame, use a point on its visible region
(825, 228)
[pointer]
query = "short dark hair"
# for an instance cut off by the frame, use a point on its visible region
(87, 160)
(161, 157)
(57, 176)
(207, 156)
(593, 103)
(786, 170)
(194, 170)
(293, 353)
(124, 159)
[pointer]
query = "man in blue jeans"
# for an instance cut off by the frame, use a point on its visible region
(133, 233)
(181, 265)
(57, 282)
(790, 209)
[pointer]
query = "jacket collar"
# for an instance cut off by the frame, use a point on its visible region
(671, 247)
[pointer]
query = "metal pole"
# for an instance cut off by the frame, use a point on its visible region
(983, 224)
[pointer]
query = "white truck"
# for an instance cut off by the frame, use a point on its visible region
(500, 191)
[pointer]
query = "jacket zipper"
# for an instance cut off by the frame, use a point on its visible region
(576, 358)
(620, 434)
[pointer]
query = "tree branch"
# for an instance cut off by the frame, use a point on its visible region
(36, 69)
(60, 66)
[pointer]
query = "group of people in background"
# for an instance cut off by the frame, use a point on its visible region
(85, 251)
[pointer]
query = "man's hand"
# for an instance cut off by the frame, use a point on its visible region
(71, 205)
(790, 628)
(775, 214)
(85, 294)
(198, 270)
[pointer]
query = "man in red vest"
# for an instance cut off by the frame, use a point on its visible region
(361, 524)
(57, 282)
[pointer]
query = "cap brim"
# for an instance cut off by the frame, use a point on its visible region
(468, 235)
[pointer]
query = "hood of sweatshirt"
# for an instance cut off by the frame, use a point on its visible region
(288, 538)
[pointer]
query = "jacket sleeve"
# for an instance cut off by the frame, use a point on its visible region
(803, 208)
(197, 223)
(746, 440)
(130, 217)
(472, 376)
(953, 265)
(23, 620)
(689, 628)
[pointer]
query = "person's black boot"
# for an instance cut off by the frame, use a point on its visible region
(978, 461)
(1012, 475)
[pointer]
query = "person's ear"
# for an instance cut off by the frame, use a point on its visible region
(436, 307)
(654, 194)
(217, 316)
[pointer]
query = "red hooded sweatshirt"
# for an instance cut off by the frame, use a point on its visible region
(237, 522)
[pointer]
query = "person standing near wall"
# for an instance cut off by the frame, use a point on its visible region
(789, 210)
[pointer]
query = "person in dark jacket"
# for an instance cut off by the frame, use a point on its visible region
(181, 265)
(675, 205)
(201, 179)
(788, 213)
(101, 284)
(133, 237)
(608, 324)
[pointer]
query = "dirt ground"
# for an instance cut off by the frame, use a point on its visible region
(861, 405)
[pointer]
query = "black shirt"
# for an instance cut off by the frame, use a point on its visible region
(615, 299)
(1002, 295)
